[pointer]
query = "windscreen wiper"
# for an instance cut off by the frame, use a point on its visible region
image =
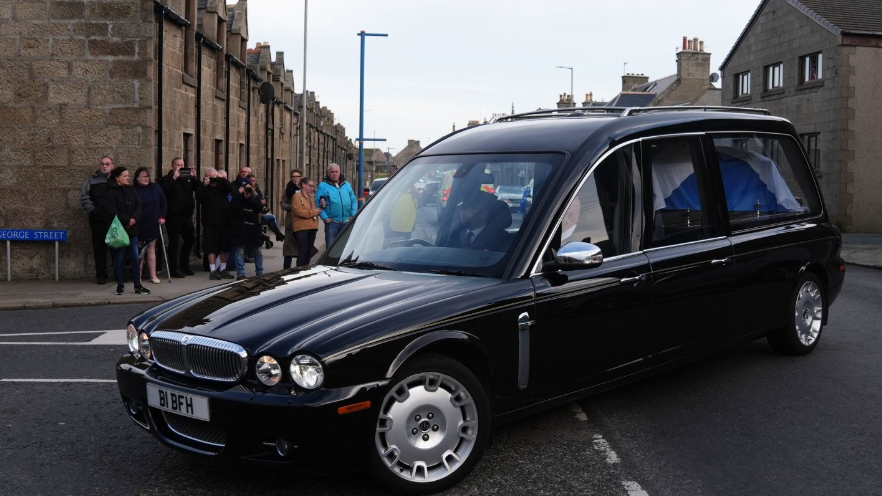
(364, 265)
(452, 272)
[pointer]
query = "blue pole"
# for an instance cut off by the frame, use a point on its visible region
(360, 184)
(358, 192)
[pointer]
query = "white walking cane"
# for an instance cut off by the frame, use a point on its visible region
(164, 254)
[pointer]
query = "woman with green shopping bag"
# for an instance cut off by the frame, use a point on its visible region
(122, 202)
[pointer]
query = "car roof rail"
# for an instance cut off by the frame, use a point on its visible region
(620, 111)
(562, 112)
(706, 108)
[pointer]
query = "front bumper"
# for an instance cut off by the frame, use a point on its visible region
(247, 424)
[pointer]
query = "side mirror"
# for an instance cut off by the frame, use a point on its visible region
(576, 255)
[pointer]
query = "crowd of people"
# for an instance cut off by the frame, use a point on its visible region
(232, 215)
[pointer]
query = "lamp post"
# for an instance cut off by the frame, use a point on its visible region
(361, 138)
(388, 155)
(571, 80)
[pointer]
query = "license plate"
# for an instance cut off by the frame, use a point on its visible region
(188, 405)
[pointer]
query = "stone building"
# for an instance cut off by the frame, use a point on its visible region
(142, 81)
(818, 63)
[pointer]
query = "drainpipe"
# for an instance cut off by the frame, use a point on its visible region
(201, 40)
(266, 148)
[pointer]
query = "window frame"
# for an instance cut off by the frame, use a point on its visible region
(813, 153)
(773, 77)
(805, 65)
(742, 84)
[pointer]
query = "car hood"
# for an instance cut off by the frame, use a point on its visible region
(286, 311)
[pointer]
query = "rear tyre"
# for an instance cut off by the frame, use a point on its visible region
(432, 429)
(806, 319)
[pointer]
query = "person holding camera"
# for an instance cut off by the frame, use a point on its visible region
(178, 186)
(247, 236)
(337, 201)
(212, 195)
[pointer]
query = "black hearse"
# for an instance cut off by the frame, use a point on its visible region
(654, 236)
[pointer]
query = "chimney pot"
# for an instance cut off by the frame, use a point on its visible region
(701, 46)
(684, 43)
(695, 43)
(689, 45)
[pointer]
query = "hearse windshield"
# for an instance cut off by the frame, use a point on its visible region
(464, 229)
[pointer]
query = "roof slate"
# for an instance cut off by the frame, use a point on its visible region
(849, 16)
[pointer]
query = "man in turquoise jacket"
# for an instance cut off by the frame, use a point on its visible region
(337, 201)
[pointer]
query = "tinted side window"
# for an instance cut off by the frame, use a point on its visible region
(765, 179)
(679, 212)
(608, 208)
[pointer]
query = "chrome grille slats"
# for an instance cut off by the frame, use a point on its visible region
(199, 356)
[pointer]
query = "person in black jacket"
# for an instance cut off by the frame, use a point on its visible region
(178, 186)
(92, 200)
(122, 201)
(247, 234)
(212, 195)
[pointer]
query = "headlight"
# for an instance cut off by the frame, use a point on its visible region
(132, 338)
(268, 370)
(307, 372)
(144, 346)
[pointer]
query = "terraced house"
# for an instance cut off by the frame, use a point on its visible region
(142, 81)
(818, 63)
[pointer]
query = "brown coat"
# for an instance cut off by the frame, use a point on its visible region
(305, 213)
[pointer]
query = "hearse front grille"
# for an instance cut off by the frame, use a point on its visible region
(198, 430)
(199, 356)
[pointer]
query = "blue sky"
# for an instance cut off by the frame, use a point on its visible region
(448, 62)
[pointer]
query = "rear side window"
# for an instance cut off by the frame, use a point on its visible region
(679, 206)
(766, 179)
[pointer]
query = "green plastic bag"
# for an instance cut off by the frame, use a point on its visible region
(117, 237)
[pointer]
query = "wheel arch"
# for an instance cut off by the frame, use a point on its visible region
(463, 347)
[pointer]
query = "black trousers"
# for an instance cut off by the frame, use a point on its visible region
(99, 232)
(179, 228)
(305, 240)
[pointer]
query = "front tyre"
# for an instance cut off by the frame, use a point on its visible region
(805, 319)
(432, 428)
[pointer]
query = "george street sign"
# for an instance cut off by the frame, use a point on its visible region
(32, 235)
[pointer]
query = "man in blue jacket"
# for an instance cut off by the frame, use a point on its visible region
(339, 202)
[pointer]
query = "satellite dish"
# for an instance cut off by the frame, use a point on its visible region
(267, 92)
(714, 77)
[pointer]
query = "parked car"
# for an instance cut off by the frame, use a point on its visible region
(512, 195)
(656, 236)
(375, 185)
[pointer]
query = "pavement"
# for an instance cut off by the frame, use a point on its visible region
(862, 250)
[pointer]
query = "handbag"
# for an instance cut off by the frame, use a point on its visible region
(116, 237)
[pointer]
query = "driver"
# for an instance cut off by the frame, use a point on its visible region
(479, 229)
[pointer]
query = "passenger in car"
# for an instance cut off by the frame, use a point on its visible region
(483, 220)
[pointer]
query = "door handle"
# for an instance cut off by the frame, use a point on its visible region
(633, 280)
(720, 261)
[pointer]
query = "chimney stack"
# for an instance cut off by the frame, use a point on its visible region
(693, 62)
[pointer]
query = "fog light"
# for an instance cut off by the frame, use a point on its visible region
(282, 447)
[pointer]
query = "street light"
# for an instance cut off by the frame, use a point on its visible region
(571, 80)
(361, 138)
(388, 154)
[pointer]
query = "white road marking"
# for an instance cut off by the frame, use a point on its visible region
(61, 380)
(52, 333)
(116, 338)
(601, 445)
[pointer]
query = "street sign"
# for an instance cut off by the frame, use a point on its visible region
(32, 235)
